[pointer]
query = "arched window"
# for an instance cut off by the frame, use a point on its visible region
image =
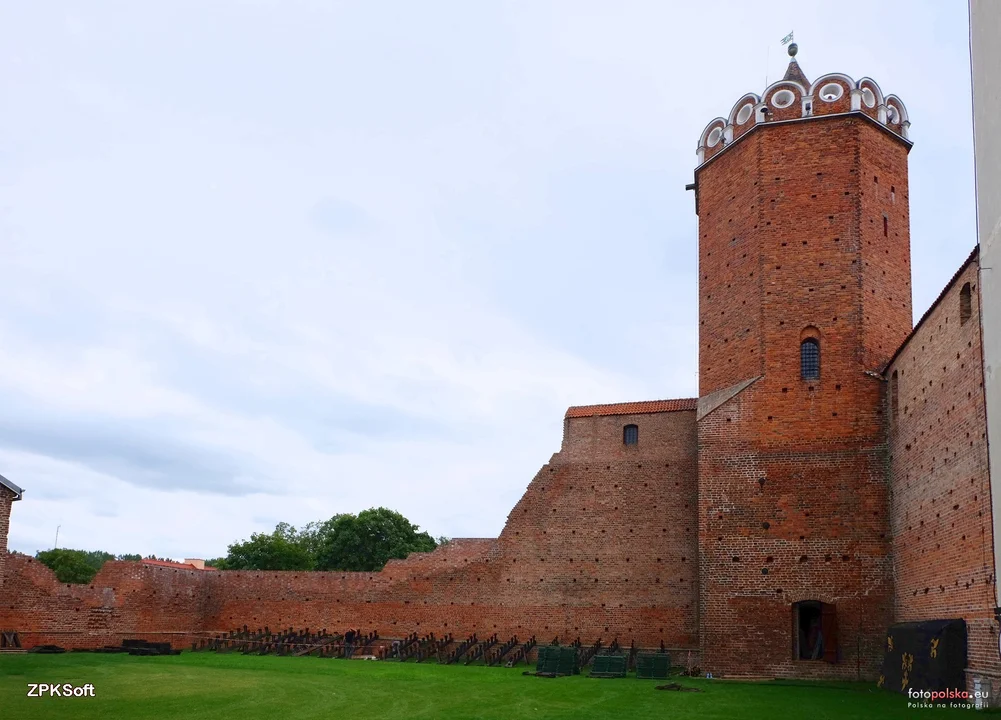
(965, 304)
(809, 359)
(630, 434)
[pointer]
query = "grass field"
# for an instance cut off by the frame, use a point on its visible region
(207, 685)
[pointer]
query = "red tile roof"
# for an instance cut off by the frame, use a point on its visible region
(172, 564)
(633, 408)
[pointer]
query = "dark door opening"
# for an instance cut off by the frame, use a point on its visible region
(815, 630)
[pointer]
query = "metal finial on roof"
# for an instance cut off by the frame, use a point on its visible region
(793, 72)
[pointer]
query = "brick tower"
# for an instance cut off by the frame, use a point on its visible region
(804, 294)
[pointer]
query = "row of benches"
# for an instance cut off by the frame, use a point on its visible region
(263, 641)
(607, 661)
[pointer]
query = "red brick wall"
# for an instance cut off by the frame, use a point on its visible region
(602, 544)
(790, 236)
(614, 527)
(730, 267)
(886, 270)
(124, 600)
(785, 522)
(6, 500)
(940, 511)
(816, 529)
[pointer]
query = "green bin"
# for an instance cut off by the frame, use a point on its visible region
(609, 666)
(655, 666)
(554, 660)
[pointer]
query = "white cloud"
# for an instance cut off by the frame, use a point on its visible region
(332, 258)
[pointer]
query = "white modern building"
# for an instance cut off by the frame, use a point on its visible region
(985, 57)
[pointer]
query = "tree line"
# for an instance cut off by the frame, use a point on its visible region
(78, 566)
(346, 542)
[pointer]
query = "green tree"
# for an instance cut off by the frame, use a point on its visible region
(282, 549)
(97, 558)
(313, 535)
(133, 557)
(366, 542)
(70, 566)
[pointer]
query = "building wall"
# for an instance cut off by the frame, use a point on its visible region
(125, 599)
(614, 528)
(820, 259)
(6, 500)
(603, 544)
(792, 488)
(985, 28)
(884, 251)
(731, 267)
(791, 235)
(940, 512)
(784, 522)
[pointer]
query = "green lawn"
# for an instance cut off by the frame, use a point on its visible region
(207, 685)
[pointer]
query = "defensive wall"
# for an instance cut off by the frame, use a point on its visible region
(603, 544)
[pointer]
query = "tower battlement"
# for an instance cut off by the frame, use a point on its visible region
(795, 98)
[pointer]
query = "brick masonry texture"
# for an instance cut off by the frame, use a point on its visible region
(781, 522)
(856, 489)
(603, 544)
(6, 500)
(940, 508)
(791, 237)
(792, 488)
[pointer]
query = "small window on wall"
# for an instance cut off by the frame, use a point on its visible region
(809, 358)
(630, 434)
(965, 304)
(815, 631)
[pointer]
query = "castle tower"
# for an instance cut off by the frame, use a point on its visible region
(804, 294)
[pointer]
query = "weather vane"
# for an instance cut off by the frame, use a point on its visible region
(793, 49)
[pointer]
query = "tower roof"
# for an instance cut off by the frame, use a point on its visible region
(795, 97)
(794, 73)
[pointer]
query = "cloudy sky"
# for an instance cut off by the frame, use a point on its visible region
(276, 260)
